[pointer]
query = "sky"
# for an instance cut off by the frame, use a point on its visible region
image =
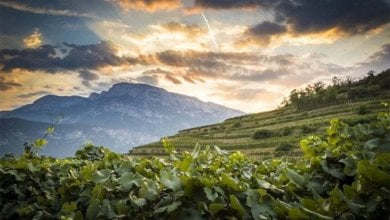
(244, 54)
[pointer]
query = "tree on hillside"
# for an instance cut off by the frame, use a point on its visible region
(317, 94)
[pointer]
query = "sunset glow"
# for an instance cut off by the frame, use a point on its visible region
(246, 55)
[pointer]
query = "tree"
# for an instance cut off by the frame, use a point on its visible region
(318, 87)
(294, 98)
(285, 102)
(336, 81)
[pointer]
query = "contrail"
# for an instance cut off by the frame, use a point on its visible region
(210, 31)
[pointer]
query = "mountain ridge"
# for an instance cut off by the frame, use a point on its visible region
(126, 109)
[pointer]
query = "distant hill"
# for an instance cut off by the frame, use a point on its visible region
(278, 132)
(122, 117)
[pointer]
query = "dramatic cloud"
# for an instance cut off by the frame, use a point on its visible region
(240, 67)
(47, 58)
(191, 31)
(151, 80)
(350, 16)
(258, 50)
(230, 4)
(37, 10)
(149, 5)
(378, 61)
(209, 59)
(267, 28)
(262, 33)
(87, 76)
(173, 79)
(34, 40)
(156, 71)
(188, 79)
(156, 37)
(93, 56)
(32, 59)
(382, 56)
(55, 29)
(33, 94)
(6, 85)
(300, 17)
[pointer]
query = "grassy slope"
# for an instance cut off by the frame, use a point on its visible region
(287, 124)
(236, 133)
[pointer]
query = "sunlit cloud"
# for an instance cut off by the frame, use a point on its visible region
(158, 37)
(47, 57)
(26, 87)
(34, 40)
(190, 31)
(149, 5)
(242, 54)
(325, 37)
(375, 62)
(33, 94)
(276, 35)
(352, 17)
(6, 84)
(36, 10)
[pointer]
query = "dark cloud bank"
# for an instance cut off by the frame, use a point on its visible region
(311, 16)
(192, 65)
(47, 58)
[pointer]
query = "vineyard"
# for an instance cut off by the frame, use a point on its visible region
(344, 174)
(273, 133)
(282, 130)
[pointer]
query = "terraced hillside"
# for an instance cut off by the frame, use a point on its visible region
(278, 132)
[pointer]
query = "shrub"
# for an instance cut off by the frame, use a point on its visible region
(91, 152)
(362, 110)
(287, 131)
(308, 129)
(355, 94)
(284, 146)
(353, 122)
(259, 134)
(236, 124)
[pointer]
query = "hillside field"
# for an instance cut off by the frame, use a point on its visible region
(275, 133)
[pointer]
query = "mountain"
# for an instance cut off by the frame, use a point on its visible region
(3, 113)
(124, 116)
(67, 138)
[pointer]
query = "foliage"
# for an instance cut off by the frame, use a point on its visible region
(32, 149)
(237, 124)
(90, 152)
(359, 120)
(362, 110)
(284, 147)
(287, 131)
(263, 133)
(344, 175)
(317, 94)
(306, 129)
